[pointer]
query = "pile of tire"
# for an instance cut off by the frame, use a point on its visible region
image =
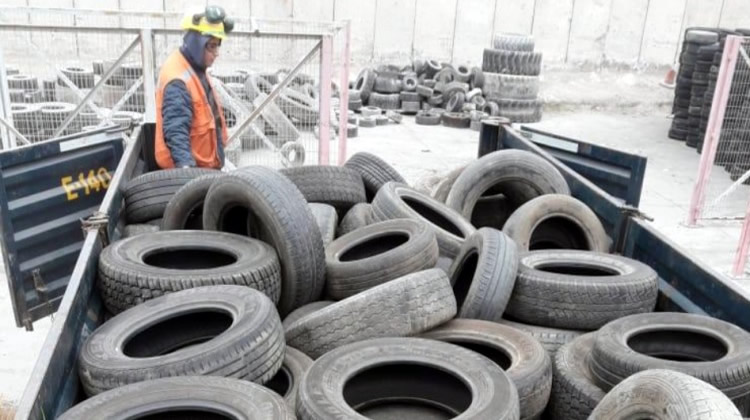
(498, 301)
(511, 77)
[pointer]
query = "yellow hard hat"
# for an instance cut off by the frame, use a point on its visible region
(210, 22)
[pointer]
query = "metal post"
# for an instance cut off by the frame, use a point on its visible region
(715, 121)
(326, 62)
(5, 110)
(344, 95)
(149, 75)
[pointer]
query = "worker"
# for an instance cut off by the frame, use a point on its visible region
(190, 126)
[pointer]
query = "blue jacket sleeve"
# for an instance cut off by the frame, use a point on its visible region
(177, 115)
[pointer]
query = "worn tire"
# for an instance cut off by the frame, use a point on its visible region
(456, 119)
(427, 118)
(305, 310)
(511, 62)
(709, 349)
(185, 209)
(580, 289)
(556, 221)
(146, 196)
(337, 186)
(287, 379)
(387, 85)
(483, 274)
(440, 193)
(257, 201)
(406, 306)
(513, 42)
(665, 394)
(574, 393)
(522, 358)
(517, 174)
(375, 172)
(507, 86)
(247, 342)
(398, 201)
(551, 338)
(376, 254)
(326, 219)
(364, 83)
(385, 100)
(477, 388)
(294, 153)
(357, 217)
(220, 396)
(146, 266)
(456, 102)
(138, 229)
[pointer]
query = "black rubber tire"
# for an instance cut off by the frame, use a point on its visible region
(484, 391)
(387, 84)
(409, 96)
(338, 186)
(159, 339)
(326, 219)
(357, 217)
(427, 118)
(258, 201)
(376, 254)
(491, 211)
(440, 193)
(556, 221)
(491, 108)
(522, 358)
(677, 134)
(665, 394)
(456, 119)
(507, 86)
(131, 271)
(551, 338)
(138, 229)
(374, 170)
(294, 153)
(483, 274)
(406, 306)
(456, 102)
(511, 62)
(513, 42)
(364, 83)
(709, 349)
(517, 174)
(287, 379)
(410, 107)
(463, 74)
(453, 88)
(82, 78)
(700, 37)
(424, 91)
(385, 100)
(185, 209)
(431, 68)
(477, 78)
(220, 396)
(371, 111)
(574, 393)
(446, 75)
(147, 195)
(305, 310)
(580, 290)
(398, 201)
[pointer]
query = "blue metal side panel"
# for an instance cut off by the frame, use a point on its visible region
(45, 191)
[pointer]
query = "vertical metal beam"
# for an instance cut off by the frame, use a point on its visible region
(344, 94)
(326, 64)
(715, 121)
(149, 75)
(5, 112)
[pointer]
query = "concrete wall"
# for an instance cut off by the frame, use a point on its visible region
(635, 33)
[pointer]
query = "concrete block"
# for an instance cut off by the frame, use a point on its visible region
(361, 13)
(552, 27)
(662, 31)
(474, 21)
(433, 30)
(272, 9)
(394, 30)
(514, 16)
(320, 10)
(626, 25)
(588, 31)
(735, 14)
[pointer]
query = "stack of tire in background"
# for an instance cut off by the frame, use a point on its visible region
(567, 329)
(511, 77)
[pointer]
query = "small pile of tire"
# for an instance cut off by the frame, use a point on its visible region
(393, 302)
(511, 78)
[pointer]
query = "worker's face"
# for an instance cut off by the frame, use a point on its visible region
(211, 51)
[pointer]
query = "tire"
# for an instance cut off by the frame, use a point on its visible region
(511, 62)
(424, 91)
(519, 175)
(521, 357)
(506, 86)
(221, 396)
(299, 106)
(483, 274)
(147, 195)
(456, 119)
(305, 310)
(667, 395)
(371, 111)
(436, 99)
(23, 82)
(580, 290)
(556, 221)
(138, 229)
(387, 85)
(550, 338)
(185, 209)
(701, 37)
(427, 118)
(365, 83)
(357, 217)
(574, 393)
(376, 254)
(406, 306)
(398, 201)
(453, 88)
(444, 186)
(409, 107)
(513, 42)
(407, 96)
(385, 101)
(490, 211)
(143, 267)
(368, 122)
(446, 75)
(374, 170)
(431, 69)
(456, 102)
(287, 379)
(327, 220)
(416, 369)
(237, 328)
(257, 201)
(82, 78)
(294, 153)
(337, 186)
(477, 78)
(706, 348)
(492, 108)
(463, 74)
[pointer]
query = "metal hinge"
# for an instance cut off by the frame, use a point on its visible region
(98, 222)
(41, 291)
(628, 210)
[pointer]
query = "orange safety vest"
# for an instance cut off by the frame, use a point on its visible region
(203, 127)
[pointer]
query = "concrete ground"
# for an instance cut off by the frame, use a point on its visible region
(581, 105)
